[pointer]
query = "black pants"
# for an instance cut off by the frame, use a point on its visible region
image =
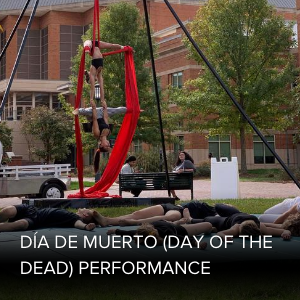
(199, 210)
(222, 210)
(135, 192)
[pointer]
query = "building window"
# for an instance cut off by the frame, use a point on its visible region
(70, 38)
(30, 62)
(179, 124)
(179, 144)
(137, 146)
(55, 102)
(24, 103)
(42, 100)
(86, 28)
(177, 80)
(44, 52)
(262, 155)
(295, 32)
(220, 146)
(3, 60)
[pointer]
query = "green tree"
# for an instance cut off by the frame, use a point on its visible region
(121, 23)
(249, 46)
(5, 136)
(52, 128)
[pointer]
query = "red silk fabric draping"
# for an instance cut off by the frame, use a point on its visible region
(125, 134)
(96, 24)
(79, 158)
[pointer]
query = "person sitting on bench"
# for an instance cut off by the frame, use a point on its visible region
(185, 163)
(27, 217)
(128, 168)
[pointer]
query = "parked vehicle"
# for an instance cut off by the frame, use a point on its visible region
(40, 181)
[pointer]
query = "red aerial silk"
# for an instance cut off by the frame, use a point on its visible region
(79, 158)
(124, 137)
(96, 25)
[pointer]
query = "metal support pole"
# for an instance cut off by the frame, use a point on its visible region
(13, 72)
(157, 94)
(231, 95)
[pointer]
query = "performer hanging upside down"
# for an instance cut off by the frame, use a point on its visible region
(100, 131)
(88, 112)
(97, 64)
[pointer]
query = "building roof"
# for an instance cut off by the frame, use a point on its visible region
(18, 4)
(14, 7)
(283, 3)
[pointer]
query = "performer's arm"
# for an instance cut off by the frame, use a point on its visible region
(104, 45)
(285, 215)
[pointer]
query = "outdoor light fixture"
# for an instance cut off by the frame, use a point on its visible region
(97, 92)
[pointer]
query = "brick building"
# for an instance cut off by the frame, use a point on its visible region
(53, 39)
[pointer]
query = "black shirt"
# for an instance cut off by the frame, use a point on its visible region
(164, 229)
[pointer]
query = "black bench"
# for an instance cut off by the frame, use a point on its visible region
(156, 181)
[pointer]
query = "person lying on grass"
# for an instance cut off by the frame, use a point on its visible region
(166, 211)
(27, 217)
(161, 229)
(235, 223)
(250, 228)
(278, 213)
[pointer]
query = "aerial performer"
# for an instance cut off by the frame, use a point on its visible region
(98, 116)
(101, 131)
(97, 63)
(100, 125)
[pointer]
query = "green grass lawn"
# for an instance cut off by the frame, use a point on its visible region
(251, 206)
(254, 206)
(264, 175)
(219, 286)
(259, 175)
(75, 185)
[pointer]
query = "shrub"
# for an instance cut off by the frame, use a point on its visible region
(203, 170)
(150, 161)
(285, 177)
(5, 136)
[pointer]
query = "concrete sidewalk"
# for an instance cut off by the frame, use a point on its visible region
(202, 191)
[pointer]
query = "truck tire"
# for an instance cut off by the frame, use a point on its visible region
(53, 190)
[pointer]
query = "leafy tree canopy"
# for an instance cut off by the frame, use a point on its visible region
(249, 46)
(5, 136)
(52, 128)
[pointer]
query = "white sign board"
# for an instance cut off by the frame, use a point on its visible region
(225, 178)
